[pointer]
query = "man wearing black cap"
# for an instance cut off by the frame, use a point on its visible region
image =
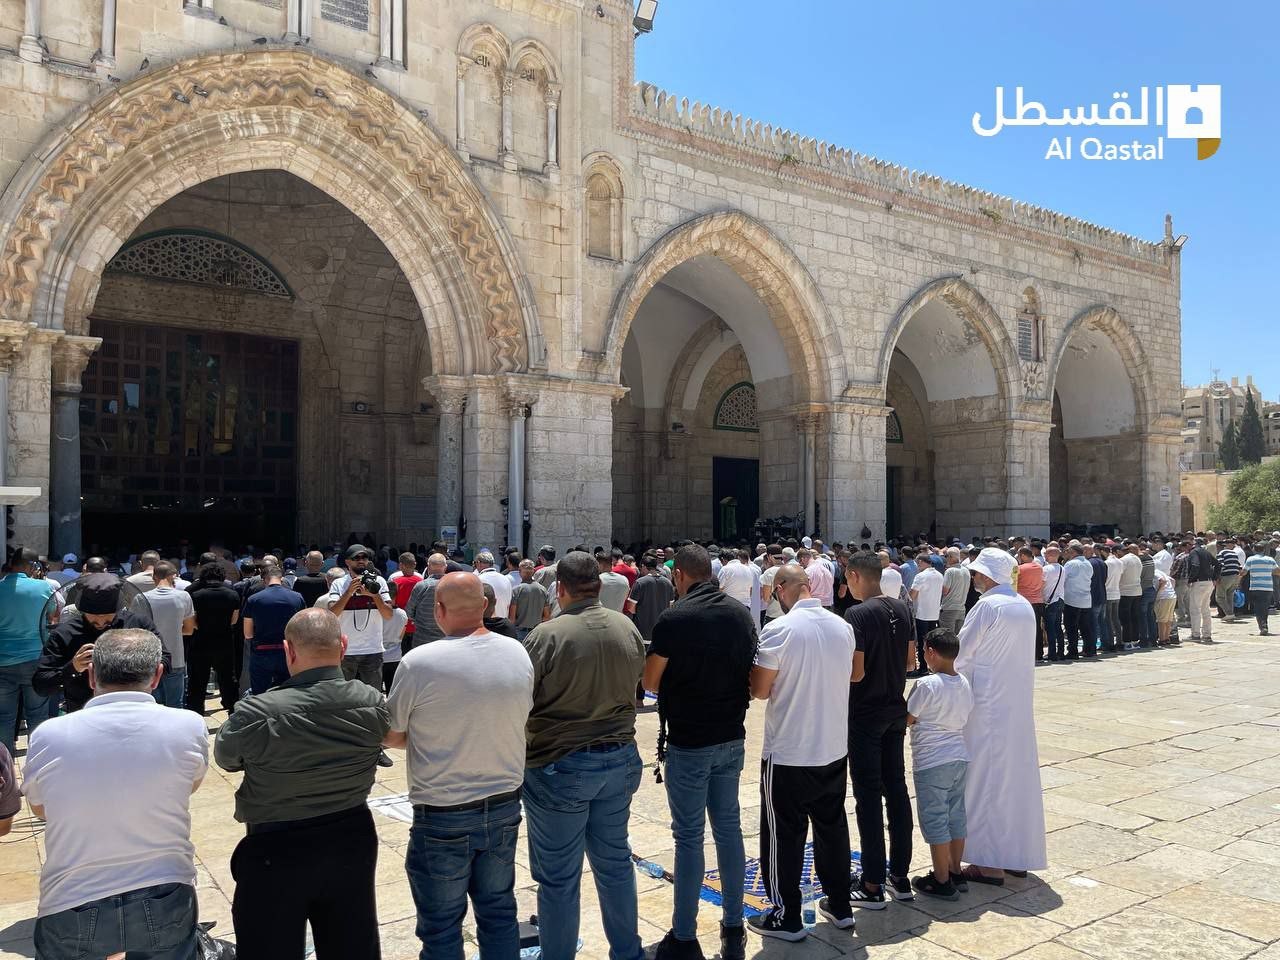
(361, 611)
(68, 650)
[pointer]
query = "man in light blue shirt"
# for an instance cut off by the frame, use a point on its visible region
(1078, 594)
(1260, 569)
(25, 605)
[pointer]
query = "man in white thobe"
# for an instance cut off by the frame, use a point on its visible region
(1003, 801)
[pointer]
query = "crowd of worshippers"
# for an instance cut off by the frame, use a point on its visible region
(513, 685)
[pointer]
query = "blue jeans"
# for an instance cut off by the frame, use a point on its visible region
(172, 691)
(1147, 616)
(150, 923)
(701, 783)
(1053, 628)
(940, 802)
(455, 854)
(583, 802)
(15, 685)
(1102, 626)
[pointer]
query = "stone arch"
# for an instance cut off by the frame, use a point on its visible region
(485, 53)
(279, 108)
(529, 48)
(485, 36)
(602, 209)
(769, 268)
(1108, 320)
(972, 308)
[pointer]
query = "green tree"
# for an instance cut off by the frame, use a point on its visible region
(1253, 500)
(1249, 437)
(1229, 448)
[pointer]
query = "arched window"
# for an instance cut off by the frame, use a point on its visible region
(737, 409)
(196, 256)
(892, 428)
(604, 213)
(1029, 327)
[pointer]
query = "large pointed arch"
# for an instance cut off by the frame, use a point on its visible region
(82, 193)
(773, 272)
(1107, 320)
(972, 308)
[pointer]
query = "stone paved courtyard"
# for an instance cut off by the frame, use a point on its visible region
(1161, 773)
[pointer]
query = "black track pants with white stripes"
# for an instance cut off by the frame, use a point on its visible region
(790, 799)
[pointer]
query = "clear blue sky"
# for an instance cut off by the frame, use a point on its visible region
(902, 82)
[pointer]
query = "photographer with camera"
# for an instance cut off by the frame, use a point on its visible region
(361, 602)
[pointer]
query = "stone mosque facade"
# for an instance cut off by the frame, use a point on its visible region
(276, 271)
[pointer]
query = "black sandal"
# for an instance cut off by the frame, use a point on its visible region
(973, 875)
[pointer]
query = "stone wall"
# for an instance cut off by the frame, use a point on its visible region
(1202, 489)
(1102, 486)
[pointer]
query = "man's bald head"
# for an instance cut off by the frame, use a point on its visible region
(460, 604)
(437, 563)
(313, 638)
(790, 585)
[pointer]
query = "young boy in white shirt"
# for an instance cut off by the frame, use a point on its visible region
(937, 712)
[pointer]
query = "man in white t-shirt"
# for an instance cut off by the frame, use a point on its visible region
(736, 579)
(133, 877)
(501, 583)
(772, 564)
(361, 611)
(803, 668)
(926, 598)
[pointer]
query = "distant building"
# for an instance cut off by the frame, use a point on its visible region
(1206, 412)
(1271, 428)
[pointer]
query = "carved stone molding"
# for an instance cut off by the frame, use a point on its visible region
(1033, 379)
(118, 126)
(12, 337)
(70, 357)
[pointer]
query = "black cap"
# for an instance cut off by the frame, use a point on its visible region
(359, 550)
(99, 593)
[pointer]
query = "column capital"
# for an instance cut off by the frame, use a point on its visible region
(463, 65)
(70, 357)
(450, 392)
(508, 81)
(13, 334)
(551, 95)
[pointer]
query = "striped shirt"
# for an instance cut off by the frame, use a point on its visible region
(1228, 563)
(1261, 570)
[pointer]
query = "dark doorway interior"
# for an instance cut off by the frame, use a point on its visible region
(892, 502)
(188, 435)
(735, 497)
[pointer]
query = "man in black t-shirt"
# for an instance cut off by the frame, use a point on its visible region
(700, 663)
(884, 631)
(213, 645)
(312, 585)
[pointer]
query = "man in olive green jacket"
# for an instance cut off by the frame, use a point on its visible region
(309, 750)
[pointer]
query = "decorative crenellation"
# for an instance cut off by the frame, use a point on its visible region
(785, 148)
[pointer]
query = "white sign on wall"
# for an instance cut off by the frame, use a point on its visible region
(1165, 493)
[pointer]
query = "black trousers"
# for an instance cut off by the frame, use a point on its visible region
(321, 873)
(922, 630)
(792, 798)
(1260, 603)
(1130, 610)
(1079, 626)
(878, 772)
(218, 658)
(1040, 631)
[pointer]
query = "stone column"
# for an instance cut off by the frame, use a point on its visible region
(70, 357)
(199, 8)
(390, 34)
(1160, 448)
(508, 123)
(463, 64)
(570, 459)
(807, 449)
(1027, 458)
(517, 409)
(451, 399)
(552, 100)
(298, 20)
(30, 47)
(105, 58)
(855, 481)
(12, 337)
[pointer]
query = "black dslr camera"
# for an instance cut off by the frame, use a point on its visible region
(368, 580)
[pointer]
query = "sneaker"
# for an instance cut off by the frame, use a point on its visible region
(959, 882)
(862, 897)
(899, 888)
(384, 760)
(771, 924)
(845, 922)
(927, 883)
(672, 949)
(733, 943)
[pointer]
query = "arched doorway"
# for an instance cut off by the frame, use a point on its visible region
(96, 181)
(1098, 444)
(718, 336)
(946, 371)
